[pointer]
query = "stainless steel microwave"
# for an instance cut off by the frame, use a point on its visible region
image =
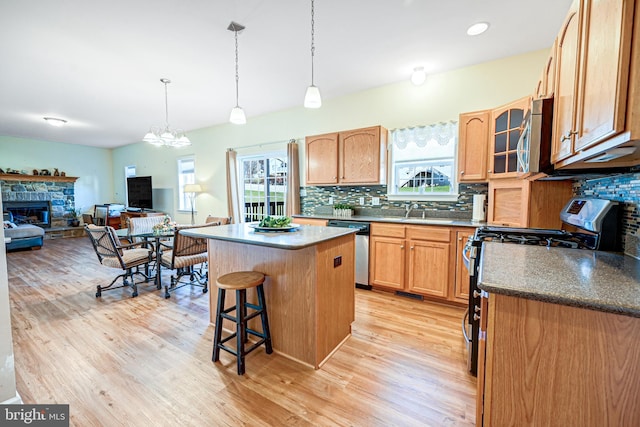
(534, 145)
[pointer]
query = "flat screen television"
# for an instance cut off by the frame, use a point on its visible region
(139, 192)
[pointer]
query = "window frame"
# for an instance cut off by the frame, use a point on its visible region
(184, 202)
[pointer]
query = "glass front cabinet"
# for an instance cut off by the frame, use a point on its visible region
(506, 126)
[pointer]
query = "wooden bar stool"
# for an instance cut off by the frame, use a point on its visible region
(241, 281)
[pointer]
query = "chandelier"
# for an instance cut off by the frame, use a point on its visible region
(166, 136)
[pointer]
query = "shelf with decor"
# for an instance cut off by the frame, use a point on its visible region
(36, 178)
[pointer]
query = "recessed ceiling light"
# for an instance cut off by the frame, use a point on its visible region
(53, 121)
(419, 76)
(478, 28)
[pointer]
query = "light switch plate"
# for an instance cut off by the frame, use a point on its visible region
(375, 201)
(330, 200)
(361, 201)
(303, 192)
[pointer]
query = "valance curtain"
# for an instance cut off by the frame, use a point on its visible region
(443, 133)
(292, 203)
(234, 205)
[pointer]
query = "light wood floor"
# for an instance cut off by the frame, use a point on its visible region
(146, 361)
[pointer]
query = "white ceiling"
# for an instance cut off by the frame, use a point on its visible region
(98, 64)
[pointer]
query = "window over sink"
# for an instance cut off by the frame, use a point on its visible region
(422, 162)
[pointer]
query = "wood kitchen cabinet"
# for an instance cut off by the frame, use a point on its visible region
(461, 288)
(416, 259)
(546, 85)
(595, 95)
(566, 365)
(352, 157)
(310, 221)
(506, 122)
(523, 203)
(473, 144)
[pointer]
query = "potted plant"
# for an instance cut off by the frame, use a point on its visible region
(74, 215)
(344, 210)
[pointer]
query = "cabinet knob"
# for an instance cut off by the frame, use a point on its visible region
(411, 248)
(401, 246)
(461, 172)
(489, 171)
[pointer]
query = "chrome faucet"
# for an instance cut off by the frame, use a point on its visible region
(408, 208)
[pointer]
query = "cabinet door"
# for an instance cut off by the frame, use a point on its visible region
(428, 268)
(549, 76)
(360, 156)
(566, 80)
(322, 159)
(310, 221)
(387, 262)
(461, 289)
(506, 126)
(508, 202)
(473, 144)
(604, 70)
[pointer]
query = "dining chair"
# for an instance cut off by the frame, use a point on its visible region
(222, 220)
(111, 253)
(186, 253)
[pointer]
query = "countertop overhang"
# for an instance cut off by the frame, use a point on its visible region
(603, 281)
(302, 237)
(441, 221)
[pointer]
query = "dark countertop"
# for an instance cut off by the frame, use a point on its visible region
(449, 222)
(302, 237)
(603, 281)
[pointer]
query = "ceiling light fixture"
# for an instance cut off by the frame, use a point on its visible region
(167, 136)
(418, 76)
(312, 98)
(478, 28)
(237, 113)
(53, 121)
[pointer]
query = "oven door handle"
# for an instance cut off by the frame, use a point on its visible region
(466, 257)
(464, 326)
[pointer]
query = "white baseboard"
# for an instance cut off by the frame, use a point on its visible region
(15, 400)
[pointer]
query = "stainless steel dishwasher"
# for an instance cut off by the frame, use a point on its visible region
(362, 249)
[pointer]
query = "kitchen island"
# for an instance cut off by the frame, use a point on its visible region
(561, 329)
(310, 284)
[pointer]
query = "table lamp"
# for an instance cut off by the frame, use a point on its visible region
(192, 190)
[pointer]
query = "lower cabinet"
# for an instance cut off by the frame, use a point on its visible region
(461, 289)
(421, 260)
(309, 221)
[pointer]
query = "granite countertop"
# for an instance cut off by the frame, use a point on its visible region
(603, 281)
(450, 222)
(302, 237)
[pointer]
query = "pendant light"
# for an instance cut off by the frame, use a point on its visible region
(167, 136)
(237, 115)
(312, 98)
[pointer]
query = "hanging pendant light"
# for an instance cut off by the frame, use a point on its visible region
(166, 136)
(312, 98)
(237, 115)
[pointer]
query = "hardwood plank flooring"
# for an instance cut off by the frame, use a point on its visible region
(146, 361)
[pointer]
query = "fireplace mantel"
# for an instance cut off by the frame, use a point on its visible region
(36, 178)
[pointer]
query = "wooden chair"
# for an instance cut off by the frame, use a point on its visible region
(183, 256)
(111, 253)
(222, 220)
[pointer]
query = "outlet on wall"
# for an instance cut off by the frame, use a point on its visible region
(361, 201)
(375, 201)
(331, 200)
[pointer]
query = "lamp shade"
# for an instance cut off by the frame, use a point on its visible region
(312, 98)
(193, 188)
(237, 116)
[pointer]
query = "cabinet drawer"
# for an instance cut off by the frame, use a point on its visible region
(389, 230)
(435, 234)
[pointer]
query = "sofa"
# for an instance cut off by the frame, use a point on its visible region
(23, 236)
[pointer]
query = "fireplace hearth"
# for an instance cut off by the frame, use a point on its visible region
(30, 212)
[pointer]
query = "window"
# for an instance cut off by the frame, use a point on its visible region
(423, 163)
(263, 182)
(186, 175)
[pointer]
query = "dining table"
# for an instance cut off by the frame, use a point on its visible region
(154, 239)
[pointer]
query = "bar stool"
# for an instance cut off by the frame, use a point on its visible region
(241, 281)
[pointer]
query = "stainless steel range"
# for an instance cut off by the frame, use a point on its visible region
(597, 221)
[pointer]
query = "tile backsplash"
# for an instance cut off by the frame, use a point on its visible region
(316, 201)
(625, 189)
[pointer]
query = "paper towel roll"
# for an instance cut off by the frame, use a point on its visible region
(479, 208)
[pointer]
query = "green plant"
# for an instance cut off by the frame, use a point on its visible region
(342, 206)
(74, 212)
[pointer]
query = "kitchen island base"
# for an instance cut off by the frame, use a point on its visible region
(310, 293)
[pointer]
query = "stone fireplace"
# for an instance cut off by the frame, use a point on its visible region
(40, 200)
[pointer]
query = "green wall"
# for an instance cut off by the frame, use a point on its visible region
(443, 97)
(92, 166)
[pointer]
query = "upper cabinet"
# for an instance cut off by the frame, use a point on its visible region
(473, 145)
(506, 126)
(546, 84)
(595, 94)
(350, 157)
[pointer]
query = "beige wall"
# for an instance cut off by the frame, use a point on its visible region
(91, 165)
(442, 97)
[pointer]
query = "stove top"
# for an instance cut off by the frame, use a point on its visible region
(536, 236)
